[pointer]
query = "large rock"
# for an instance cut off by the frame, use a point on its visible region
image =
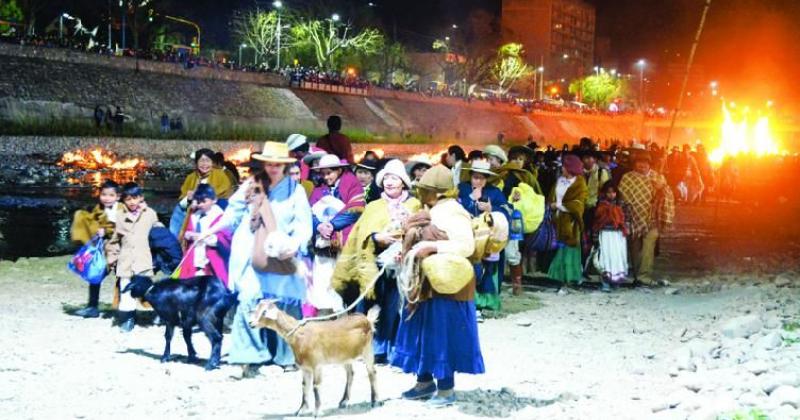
(683, 359)
(742, 327)
(773, 381)
(782, 280)
(785, 394)
(770, 341)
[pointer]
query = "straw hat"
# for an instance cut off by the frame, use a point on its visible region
(330, 161)
(274, 152)
(438, 178)
(480, 166)
(295, 140)
(394, 167)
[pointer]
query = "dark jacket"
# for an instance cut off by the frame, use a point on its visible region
(166, 250)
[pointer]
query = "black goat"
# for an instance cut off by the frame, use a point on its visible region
(202, 301)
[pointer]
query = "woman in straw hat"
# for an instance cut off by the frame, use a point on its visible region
(438, 336)
(567, 200)
(378, 229)
(478, 197)
(292, 215)
(336, 205)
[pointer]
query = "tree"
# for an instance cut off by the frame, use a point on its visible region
(470, 53)
(510, 66)
(330, 39)
(30, 10)
(9, 11)
(259, 30)
(597, 90)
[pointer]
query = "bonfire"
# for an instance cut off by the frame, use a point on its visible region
(99, 159)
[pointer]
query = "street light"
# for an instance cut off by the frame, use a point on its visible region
(455, 26)
(641, 63)
(61, 24)
(541, 81)
(278, 5)
(335, 17)
(240, 53)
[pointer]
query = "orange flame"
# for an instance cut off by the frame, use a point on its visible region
(432, 158)
(240, 156)
(98, 159)
(744, 138)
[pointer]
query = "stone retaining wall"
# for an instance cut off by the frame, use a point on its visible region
(129, 63)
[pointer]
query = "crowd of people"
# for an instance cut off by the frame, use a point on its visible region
(295, 75)
(431, 244)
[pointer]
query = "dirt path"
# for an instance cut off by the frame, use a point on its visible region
(584, 355)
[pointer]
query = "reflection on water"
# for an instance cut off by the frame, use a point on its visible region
(35, 221)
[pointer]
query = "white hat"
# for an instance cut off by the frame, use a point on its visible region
(480, 166)
(295, 140)
(393, 167)
(330, 161)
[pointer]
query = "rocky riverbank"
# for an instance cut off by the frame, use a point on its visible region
(702, 350)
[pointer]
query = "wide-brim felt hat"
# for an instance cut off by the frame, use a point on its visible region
(274, 152)
(480, 166)
(330, 161)
(314, 153)
(368, 164)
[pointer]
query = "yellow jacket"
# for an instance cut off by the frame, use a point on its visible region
(217, 178)
(356, 262)
(85, 224)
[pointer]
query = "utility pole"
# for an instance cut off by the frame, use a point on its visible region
(124, 20)
(109, 24)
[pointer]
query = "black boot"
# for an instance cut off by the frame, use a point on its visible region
(88, 312)
(127, 320)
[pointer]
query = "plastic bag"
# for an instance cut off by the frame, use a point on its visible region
(530, 204)
(90, 262)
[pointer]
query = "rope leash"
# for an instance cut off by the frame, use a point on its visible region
(175, 273)
(361, 297)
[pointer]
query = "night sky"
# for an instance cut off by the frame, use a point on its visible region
(749, 45)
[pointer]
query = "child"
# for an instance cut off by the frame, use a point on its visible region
(610, 230)
(99, 223)
(208, 257)
(130, 249)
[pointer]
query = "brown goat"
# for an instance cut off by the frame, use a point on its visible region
(319, 343)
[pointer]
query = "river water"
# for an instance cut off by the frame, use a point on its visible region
(35, 221)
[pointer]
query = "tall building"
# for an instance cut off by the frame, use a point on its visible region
(558, 34)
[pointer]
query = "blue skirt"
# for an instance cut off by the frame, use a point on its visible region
(388, 298)
(440, 339)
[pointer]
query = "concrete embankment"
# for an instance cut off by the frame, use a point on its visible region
(46, 85)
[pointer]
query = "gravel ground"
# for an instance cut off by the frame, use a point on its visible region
(675, 352)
